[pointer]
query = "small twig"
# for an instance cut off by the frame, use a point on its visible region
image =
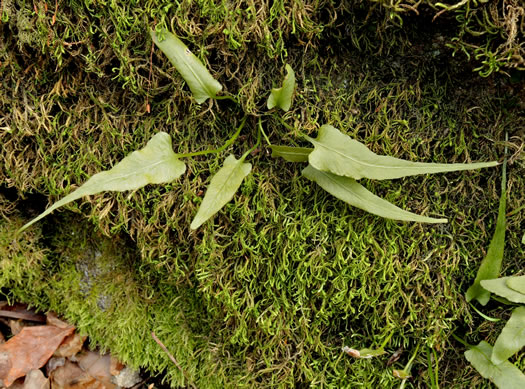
(148, 108)
(172, 358)
(27, 315)
(448, 8)
(54, 19)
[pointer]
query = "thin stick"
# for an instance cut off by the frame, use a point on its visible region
(148, 108)
(25, 315)
(54, 19)
(171, 357)
(220, 149)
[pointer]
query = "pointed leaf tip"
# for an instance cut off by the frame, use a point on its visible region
(156, 163)
(201, 82)
(491, 265)
(339, 154)
(512, 337)
(222, 187)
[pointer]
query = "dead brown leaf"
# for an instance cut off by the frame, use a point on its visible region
(35, 380)
(53, 320)
(115, 366)
(18, 384)
(20, 311)
(71, 376)
(54, 363)
(70, 346)
(395, 356)
(16, 326)
(29, 350)
(97, 366)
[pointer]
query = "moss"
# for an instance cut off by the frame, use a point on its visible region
(268, 292)
(489, 33)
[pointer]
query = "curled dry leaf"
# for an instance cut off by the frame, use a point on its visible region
(18, 384)
(352, 352)
(115, 367)
(71, 376)
(35, 379)
(97, 366)
(364, 353)
(70, 346)
(401, 374)
(16, 326)
(53, 320)
(54, 363)
(395, 356)
(29, 350)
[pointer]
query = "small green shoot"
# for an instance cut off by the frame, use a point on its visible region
(511, 339)
(405, 374)
(156, 163)
(433, 373)
(491, 264)
(291, 154)
(504, 375)
(282, 97)
(367, 353)
(222, 187)
(201, 82)
(488, 318)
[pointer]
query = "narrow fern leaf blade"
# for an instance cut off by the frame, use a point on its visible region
(222, 187)
(491, 264)
(156, 163)
(339, 154)
(504, 376)
(512, 337)
(282, 97)
(201, 82)
(353, 193)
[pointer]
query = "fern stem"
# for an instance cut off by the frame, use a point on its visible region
(227, 97)
(259, 126)
(222, 148)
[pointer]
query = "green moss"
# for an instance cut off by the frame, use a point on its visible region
(268, 292)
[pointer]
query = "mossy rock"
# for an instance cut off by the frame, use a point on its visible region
(268, 292)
